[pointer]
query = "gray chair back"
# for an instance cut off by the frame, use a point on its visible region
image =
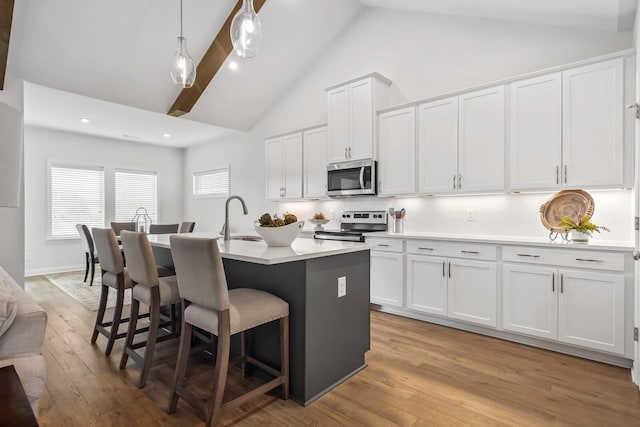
(85, 234)
(141, 264)
(187, 227)
(200, 271)
(163, 228)
(119, 226)
(108, 250)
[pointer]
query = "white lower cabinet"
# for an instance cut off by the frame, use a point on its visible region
(472, 291)
(387, 278)
(427, 284)
(584, 308)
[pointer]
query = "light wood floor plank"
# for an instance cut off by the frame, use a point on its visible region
(418, 374)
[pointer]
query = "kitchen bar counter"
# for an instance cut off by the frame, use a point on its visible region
(594, 243)
(329, 334)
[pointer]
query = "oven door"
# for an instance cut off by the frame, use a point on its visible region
(351, 178)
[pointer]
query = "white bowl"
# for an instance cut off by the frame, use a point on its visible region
(280, 236)
(318, 223)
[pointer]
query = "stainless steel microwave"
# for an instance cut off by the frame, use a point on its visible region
(357, 178)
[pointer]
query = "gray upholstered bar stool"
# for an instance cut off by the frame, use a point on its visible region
(209, 305)
(151, 290)
(114, 275)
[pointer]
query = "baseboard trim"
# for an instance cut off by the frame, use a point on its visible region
(51, 270)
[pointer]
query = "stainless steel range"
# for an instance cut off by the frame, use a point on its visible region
(354, 224)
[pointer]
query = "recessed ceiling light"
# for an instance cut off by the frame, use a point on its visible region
(167, 135)
(84, 120)
(233, 65)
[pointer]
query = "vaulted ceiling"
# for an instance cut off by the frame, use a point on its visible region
(120, 51)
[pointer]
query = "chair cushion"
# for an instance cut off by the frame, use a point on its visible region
(168, 291)
(111, 279)
(248, 308)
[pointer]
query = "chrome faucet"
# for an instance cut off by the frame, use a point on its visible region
(227, 237)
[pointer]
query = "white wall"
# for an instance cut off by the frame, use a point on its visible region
(424, 56)
(41, 145)
(12, 219)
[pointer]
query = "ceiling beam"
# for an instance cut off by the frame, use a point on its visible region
(209, 65)
(6, 15)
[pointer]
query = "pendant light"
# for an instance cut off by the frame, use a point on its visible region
(183, 71)
(246, 34)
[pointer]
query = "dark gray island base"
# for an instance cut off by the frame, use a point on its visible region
(328, 335)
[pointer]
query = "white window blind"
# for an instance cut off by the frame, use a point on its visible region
(136, 189)
(77, 197)
(214, 182)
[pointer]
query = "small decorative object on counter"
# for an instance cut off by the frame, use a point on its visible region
(573, 204)
(319, 220)
(142, 219)
(276, 231)
(582, 230)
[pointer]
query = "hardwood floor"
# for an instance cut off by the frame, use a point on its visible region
(419, 374)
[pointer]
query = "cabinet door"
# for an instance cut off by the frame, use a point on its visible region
(591, 310)
(481, 140)
(292, 168)
(338, 123)
(427, 284)
(438, 146)
(530, 302)
(593, 124)
(273, 168)
(361, 120)
(315, 162)
(472, 291)
(387, 278)
(396, 152)
(536, 133)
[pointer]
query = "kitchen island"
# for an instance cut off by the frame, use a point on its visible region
(328, 334)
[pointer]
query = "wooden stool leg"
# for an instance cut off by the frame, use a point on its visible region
(243, 353)
(154, 325)
(93, 269)
(284, 355)
(104, 292)
(181, 365)
(117, 315)
(222, 364)
(86, 266)
(131, 332)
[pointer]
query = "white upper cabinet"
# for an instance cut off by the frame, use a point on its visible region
(593, 124)
(536, 132)
(567, 129)
(438, 146)
(283, 169)
(396, 148)
(351, 113)
(461, 143)
(315, 162)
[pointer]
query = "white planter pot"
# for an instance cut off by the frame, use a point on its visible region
(576, 236)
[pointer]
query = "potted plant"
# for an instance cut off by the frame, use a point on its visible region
(582, 230)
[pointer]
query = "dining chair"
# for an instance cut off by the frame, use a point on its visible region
(153, 291)
(114, 275)
(163, 228)
(119, 226)
(208, 304)
(91, 257)
(187, 227)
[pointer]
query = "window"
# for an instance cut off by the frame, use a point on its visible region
(211, 183)
(76, 196)
(136, 189)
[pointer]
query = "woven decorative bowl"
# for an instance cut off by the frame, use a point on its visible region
(574, 204)
(280, 236)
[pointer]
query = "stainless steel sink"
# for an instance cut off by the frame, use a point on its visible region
(247, 238)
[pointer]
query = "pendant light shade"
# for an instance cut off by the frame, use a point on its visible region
(246, 34)
(183, 70)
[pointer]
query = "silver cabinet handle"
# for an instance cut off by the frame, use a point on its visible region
(345, 152)
(443, 263)
(553, 282)
(454, 181)
(565, 174)
(470, 252)
(449, 269)
(589, 260)
(459, 182)
(557, 174)
(529, 256)
(426, 249)
(562, 283)
(384, 246)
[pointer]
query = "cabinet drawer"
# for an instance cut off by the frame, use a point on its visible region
(452, 249)
(565, 258)
(388, 245)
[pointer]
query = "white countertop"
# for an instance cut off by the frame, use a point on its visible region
(594, 243)
(260, 253)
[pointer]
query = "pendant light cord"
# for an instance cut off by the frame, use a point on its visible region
(180, 18)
